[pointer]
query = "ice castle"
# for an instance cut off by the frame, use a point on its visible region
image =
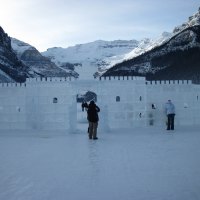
(125, 102)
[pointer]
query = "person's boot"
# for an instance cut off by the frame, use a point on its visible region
(90, 136)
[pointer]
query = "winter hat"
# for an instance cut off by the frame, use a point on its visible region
(92, 102)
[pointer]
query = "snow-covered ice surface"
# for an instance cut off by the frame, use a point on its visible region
(138, 164)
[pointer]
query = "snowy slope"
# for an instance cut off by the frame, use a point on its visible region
(148, 44)
(20, 47)
(88, 57)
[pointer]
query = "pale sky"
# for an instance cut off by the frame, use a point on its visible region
(62, 23)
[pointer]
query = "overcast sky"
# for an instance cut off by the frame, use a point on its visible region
(62, 23)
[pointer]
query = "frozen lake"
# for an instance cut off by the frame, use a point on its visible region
(139, 164)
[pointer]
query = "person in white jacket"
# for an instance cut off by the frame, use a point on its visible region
(170, 112)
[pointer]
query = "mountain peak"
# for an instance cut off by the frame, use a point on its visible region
(20, 46)
(192, 21)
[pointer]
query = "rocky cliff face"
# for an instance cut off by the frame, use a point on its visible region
(40, 65)
(11, 68)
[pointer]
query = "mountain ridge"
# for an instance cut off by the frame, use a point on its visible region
(154, 58)
(157, 63)
(41, 66)
(178, 54)
(89, 56)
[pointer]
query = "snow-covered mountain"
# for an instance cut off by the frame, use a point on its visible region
(40, 66)
(88, 58)
(95, 58)
(144, 45)
(176, 57)
(82, 59)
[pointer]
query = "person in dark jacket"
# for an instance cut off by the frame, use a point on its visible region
(84, 105)
(93, 119)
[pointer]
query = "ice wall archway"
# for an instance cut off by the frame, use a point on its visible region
(131, 109)
(94, 86)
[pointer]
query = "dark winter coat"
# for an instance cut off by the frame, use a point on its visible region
(92, 112)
